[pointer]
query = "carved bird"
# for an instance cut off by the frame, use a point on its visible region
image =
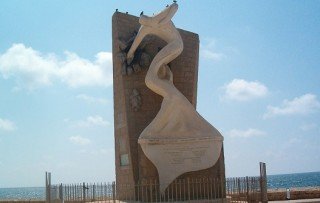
(141, 13)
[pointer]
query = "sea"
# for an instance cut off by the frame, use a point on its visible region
(295, 180)
(311, 179)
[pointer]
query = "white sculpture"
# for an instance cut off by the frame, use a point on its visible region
(178, 140)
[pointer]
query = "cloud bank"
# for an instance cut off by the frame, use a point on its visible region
(242, 90)
(207, 51)
(90, 121)
(32, 69)
(93, 121)
(6, 125)
(91, 99)
(246, 133)
(303, 105)
(78, 140)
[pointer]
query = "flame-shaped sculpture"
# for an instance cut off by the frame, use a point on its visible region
(178, 140)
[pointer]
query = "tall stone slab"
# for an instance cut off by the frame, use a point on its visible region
(132, 166)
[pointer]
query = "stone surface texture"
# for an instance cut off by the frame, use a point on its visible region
(178, 140)
(129, 124)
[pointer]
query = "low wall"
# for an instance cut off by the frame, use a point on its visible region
(295, 193)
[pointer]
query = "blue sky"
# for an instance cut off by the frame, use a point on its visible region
(259, 80)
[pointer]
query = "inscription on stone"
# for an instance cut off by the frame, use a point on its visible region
(186, 154)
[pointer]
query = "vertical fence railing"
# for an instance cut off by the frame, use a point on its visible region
(48, 186)
(244, 189)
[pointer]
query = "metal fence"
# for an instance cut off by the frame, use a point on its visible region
(214, 190)
(180, 190)
(246, 189)
(85, 192)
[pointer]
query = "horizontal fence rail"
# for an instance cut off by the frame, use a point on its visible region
(246, 189)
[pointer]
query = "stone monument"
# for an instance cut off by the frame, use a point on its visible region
(158, 133)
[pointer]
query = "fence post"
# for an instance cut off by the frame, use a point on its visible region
(247, 185)
(84, 191)
(114, 192)
(94, 192)
(223, 188)
(263, 183)
(188, 188)
(222, 185)
(46, 178)
(61, 193)
(48, 187)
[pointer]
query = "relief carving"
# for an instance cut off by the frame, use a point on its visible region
(179, 139)
(141, 59)
(135, 100)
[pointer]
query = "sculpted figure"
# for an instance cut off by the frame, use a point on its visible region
(135, 100)
(177, 124)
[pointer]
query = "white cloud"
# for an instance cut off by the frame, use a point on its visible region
(32, 69)
(7, 125)
(102, 151)
(207, 51)
(294, 140)
(211, 55)
(92, 121)
(77, 72)
(242, 90)
(90, 99)
(78, 140)
(245, 133)
(308, 126)
(302, 105)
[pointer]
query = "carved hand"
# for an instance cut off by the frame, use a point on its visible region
(130, 57)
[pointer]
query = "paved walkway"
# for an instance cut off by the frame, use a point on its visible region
(300, 200)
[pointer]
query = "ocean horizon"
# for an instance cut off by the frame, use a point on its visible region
(279, 181)
(294, 180)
